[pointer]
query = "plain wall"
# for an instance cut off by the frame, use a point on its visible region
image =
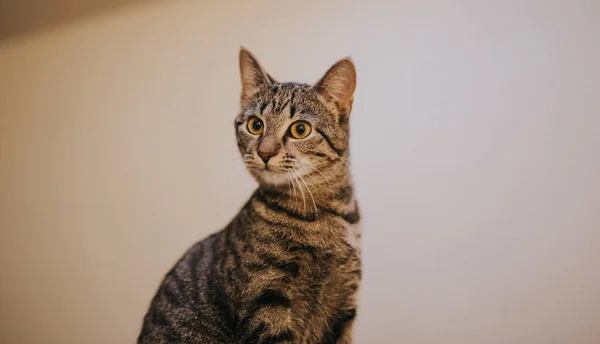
(475, 150)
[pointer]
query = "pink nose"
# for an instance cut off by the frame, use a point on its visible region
(265, 156)
(267, 148)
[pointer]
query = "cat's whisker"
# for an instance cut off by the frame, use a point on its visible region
(310, 192)
(320, 172)
(251, 164)
(289, 176)
(294, 173)
(292, 179)
(344, 161)
(316, 182)
(316, 169)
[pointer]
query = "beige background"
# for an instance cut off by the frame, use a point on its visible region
(476, 137)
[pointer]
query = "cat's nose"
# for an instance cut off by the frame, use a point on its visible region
(265, 156)
(267, 148)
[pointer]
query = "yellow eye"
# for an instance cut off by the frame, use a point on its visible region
(255, 125)
(300, 130)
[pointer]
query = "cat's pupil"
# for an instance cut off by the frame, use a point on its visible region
(300, 129)
(256, 125)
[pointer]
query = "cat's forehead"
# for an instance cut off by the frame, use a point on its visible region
(286, 100)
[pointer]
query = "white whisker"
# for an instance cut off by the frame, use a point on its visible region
(320, 172)
(310, 192)
(345, 162)
(294, 173)
(316, 169)
(287, 176)
(292, 181)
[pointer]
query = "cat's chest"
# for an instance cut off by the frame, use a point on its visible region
(332, 267)
(326, 286)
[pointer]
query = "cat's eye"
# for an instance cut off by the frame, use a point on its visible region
(300, 130)
(255, 125)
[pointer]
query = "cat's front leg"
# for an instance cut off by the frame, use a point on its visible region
(269, 319)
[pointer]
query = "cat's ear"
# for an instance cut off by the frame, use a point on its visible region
(338, 84)
(253, 75)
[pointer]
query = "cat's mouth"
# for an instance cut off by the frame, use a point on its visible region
(274, 174)
(276, 169)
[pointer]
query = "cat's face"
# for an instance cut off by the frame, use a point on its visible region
(288, 131)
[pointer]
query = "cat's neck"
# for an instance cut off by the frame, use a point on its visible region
(329, 189)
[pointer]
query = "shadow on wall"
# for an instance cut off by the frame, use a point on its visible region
(22, 17)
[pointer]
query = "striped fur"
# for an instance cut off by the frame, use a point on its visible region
(287, 268)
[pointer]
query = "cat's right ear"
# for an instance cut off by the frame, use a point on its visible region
(338, 84)
(253, 76)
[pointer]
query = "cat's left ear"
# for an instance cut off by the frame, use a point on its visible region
(253, 75)
(338, 84)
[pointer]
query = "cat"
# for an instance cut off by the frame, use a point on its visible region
(287, 268)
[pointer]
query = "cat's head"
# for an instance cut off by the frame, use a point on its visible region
(288, 130)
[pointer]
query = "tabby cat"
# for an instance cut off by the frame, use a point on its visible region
(287, 268)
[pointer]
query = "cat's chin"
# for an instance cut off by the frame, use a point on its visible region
(272, 177)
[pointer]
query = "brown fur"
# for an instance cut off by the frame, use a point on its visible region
(287, 268)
